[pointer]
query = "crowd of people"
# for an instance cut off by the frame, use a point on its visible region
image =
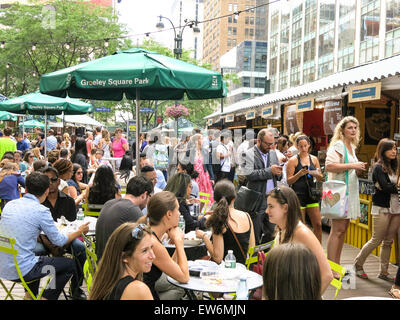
(141, 208)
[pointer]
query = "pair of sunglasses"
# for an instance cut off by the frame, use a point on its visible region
(278, 190)
(137, 234)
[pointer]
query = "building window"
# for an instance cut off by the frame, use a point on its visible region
(308, 72)
(259, 82)
(392, 15)
(246, 82)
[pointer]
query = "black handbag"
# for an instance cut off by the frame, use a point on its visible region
(314, 192)
(248, 200)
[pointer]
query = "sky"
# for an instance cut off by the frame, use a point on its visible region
(141, 16)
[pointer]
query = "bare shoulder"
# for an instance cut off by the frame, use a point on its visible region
(137, 290)
(304, 235)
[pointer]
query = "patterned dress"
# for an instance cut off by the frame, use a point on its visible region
(203, 180)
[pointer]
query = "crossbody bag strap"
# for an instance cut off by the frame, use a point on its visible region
(346, 160)
(237, 241)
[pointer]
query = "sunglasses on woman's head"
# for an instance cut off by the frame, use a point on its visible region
(137, 233)
(278, 190)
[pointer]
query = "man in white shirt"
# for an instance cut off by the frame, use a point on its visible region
(223, 154)
(97, 138)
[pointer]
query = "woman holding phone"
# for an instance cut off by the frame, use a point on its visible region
(301, 171)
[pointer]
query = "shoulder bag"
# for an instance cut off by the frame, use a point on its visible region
(237, 241)
(335, 196)
(314, 192)
(248, 200)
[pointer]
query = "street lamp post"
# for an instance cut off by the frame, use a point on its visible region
(178, 34)
(178, 40)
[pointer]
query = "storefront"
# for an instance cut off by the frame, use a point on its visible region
(377, 113)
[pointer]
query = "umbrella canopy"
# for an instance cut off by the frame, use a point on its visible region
(157, 76)
(32, 124)
(7, 116)
(38, 103)
(138, 74)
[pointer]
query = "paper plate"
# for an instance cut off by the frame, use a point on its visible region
(192, 242)
(228, 273)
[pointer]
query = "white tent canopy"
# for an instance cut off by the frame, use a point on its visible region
(82, 120)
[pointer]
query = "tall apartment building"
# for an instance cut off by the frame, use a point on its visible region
(249, 61)
(311, 39)
(222, 34)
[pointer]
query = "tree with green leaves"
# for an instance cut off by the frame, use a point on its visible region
(39, 38)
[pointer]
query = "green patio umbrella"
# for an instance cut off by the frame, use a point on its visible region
(32, 124)
(7, 116)
(138, 74)
(42, 104)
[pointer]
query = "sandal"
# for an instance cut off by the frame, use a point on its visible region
(385, 277)
(361, 274)
(395, 293)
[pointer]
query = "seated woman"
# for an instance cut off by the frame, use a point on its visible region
(189, 169)
(104, 187)
(125, 172)
(29, 158)
(291, 272)
(64, 168)
(180, 184)
(224, 221)
(163, 216)
(10, 180)
(283, 209)
(128, 254)
(75, 185)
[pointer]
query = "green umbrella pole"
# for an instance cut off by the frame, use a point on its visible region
(137, 132)
(45, 134)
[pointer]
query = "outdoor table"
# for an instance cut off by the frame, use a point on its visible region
(113, 161)
(68, 227)
(194, 249)
(225, 282)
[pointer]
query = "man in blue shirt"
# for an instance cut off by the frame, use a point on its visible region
(51, 141)
(24, 219)
(22, 145)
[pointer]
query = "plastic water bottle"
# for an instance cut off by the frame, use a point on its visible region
(230, 260)
(80, 216)
(181, 223)
(242, 293)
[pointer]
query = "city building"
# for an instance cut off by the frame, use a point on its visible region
(311, 39)
(242, 20)
(249, 61)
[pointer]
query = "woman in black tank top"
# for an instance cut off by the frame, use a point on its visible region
(228, 224)
(301, 171)
(128, 254)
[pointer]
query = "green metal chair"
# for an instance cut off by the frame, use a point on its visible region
(337, 283)
(90, 265)
(88, 207)
(7, 247)
(253, 251)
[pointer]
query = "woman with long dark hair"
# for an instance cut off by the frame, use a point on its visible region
(385, 209)
(128, 254)
(75, 184)
(180, 184)
(224, 221)
(300, 172)
(104, 187)
(283, 209)
(80, 156)
(125, 171)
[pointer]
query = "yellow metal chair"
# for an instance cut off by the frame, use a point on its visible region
(204, 200)
(90, 265)
(7, 247)
(253, 251)
(87, 209)
(337, 283)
